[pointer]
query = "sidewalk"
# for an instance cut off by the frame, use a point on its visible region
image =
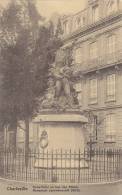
(8, 188)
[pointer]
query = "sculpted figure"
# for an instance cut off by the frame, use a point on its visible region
(49, 96)
(62, 85)
(60, 92)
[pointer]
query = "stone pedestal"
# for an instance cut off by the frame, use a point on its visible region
(61, 141)
(64, 131)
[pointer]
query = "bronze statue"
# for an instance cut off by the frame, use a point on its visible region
(61, 77)
(60, 92)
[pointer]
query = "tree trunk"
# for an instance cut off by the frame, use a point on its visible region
(14, 149)
(26, 141)
(2, 134)
(12, 138)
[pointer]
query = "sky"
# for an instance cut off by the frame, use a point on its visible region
(48, 7)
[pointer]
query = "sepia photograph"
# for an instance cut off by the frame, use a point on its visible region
(61, 97)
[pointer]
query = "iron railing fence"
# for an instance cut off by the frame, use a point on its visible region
(96, 166)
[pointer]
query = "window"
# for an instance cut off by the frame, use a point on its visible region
(78, 89)
(110, 127)
(93, 91)
(83, 20)
(112, 6)
(111, 44)
(66, 27)
(20, 135)
(95, 13)
(78, 55)
(78, 22)
(111, 87)
(93, 50)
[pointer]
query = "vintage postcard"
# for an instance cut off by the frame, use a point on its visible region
(61, 97)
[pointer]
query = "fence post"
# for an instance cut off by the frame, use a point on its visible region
(52, 167)
(65, 166)
(70, 163)
(120, 153)
(1, 163)
(61, 165)
(79, 167)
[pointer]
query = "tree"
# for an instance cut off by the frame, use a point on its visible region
(10, 25)
(25, 64)
(17, 87)
(18, 40)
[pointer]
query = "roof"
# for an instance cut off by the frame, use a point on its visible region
(61, 118)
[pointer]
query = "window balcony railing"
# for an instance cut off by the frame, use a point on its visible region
(100, 62)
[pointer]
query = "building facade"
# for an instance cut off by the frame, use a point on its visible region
(93, 36)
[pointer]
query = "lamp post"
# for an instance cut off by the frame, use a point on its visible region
(93, 123)
(90, 143)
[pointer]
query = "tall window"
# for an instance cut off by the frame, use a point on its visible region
(78, 22)
(93, 90)
(111, 87)
(111, 44)
(95, 13)
(93, 50)
(78, 88)
(66, 27)
(112, 6)
(20, 135)
(78, 55)
(110, 130)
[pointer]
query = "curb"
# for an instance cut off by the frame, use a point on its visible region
(40, 183)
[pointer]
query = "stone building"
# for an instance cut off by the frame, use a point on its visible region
(94, 38)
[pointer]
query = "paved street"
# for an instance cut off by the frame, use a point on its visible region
(9, 188)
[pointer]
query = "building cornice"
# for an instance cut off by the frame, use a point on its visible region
(99, 68)
(93, 27)
(103, 108)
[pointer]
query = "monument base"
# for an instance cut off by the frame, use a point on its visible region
(61, 137)
(64, 131)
